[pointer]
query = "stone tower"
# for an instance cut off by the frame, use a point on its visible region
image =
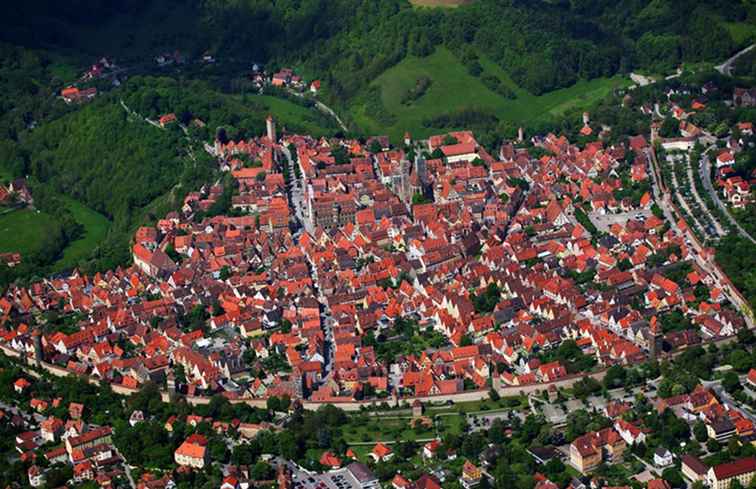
(270, 125)
(421, 169)
(39, 352)
(170, 382)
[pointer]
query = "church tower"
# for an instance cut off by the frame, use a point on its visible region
(654, 339)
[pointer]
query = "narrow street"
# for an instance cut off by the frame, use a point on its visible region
(325, 109)
(296, 194)
(126, 468)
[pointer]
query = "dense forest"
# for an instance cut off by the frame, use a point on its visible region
(542, 44)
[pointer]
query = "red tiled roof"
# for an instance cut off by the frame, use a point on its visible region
(736, 468)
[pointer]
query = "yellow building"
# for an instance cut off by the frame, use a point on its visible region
(722, 475)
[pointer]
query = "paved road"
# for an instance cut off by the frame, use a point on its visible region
(726, 67)
(296, 191)
(704, 169)
(664, 201)
(126, 468)
(297, 201)
(716, 386)
(661, 198)
(323, 108)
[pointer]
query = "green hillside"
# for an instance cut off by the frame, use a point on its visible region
(21, 230)
(95, 229)
(452, 89)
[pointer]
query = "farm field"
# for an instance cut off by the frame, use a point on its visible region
(453, 88)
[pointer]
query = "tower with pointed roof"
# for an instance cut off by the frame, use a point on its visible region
(654, 339)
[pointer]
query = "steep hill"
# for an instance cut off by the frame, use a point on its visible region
(543, 45)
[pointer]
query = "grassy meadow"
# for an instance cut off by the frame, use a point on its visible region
(453, 88)
(95, 228)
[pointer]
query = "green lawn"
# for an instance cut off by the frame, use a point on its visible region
(481, 406)
(453, 88)
(297, 117)
(742, 33)
(452, 424)
(382, 429)
(20, 230)
(96, 227)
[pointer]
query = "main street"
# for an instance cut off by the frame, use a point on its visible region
(297, 201)
(296, 189)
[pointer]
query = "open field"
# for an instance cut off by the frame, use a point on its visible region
(453, 88)
(384, 429)
(21, 230)
(95, 228)
(297, 117)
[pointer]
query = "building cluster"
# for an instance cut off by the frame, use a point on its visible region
(87, 448)
(437, 240)
(736, 186)
(723, 422)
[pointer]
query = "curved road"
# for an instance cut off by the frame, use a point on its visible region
(726, 67)
(704, 169)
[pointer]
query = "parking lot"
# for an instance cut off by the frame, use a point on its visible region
(604, 221)
(338, 479)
